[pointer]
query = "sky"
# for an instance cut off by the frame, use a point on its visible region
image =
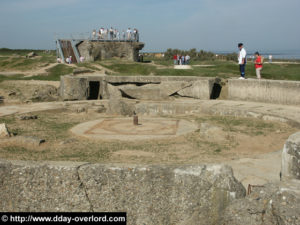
(214, 25)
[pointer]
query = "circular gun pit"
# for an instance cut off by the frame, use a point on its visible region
(124, 129)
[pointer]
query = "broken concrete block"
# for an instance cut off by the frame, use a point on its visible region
(290, 165)
(4, 133)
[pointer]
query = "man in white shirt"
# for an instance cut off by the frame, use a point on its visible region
(242, 60)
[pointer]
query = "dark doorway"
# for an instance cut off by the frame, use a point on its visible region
(216, 91)
(94, 87)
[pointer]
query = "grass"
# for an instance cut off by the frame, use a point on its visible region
(54, 73)
(222, 69)
(130, 68)
(15, 60)
(23, 52)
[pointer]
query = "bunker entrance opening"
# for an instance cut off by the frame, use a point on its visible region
(94, 89)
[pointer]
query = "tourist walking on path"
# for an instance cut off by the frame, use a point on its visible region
(258, 64)
(270, 58)
(242, 60)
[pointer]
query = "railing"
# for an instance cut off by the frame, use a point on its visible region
(95, 36)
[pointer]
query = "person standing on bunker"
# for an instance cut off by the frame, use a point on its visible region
(242, 60)
(258, 64)
(128, 34)
(94, 34)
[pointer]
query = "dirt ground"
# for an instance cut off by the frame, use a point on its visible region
(218, 139)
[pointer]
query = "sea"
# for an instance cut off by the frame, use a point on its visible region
(285, 54)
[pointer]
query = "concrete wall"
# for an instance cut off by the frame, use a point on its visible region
(269, 91)
(96, 50)
(290, 166)
(149, 194)
(73, 88)
(137, 87)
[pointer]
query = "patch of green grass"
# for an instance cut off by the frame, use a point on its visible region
(11, 77)
(54, 73)
(131, 68)
(226, 69)
(23, 52)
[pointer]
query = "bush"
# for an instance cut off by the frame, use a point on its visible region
(201, 55)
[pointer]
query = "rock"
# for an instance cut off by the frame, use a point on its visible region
(150, 194)
(266, 205)
(4, 133)
(290, 165)
(120, 107)
(28, 117)
(31, 55)
(82, 70)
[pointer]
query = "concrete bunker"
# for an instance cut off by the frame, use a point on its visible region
(141, 88)
(145, 191)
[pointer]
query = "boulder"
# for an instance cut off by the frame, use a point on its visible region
(4, 133)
